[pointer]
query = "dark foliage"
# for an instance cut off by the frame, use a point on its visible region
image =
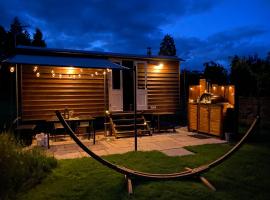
(167, 46)
(38, 39)
(251, 75)
(18, 35)
(215, 73)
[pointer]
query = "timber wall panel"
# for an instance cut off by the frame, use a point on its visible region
(163, 87)
(41, 96)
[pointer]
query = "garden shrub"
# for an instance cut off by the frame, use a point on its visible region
(21, 169)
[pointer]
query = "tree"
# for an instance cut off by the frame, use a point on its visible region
(215, 73)
(38, 39)
(3, 41)
(167, 46)
(18, 35)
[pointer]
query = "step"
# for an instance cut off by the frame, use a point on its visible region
(120, 134)
(128, 125)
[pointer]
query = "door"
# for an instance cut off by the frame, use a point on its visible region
(115, 89)
(141, 70)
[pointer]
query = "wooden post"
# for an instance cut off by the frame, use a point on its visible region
(207, 183)
(204, 181)
(135, 107)
(129, 185)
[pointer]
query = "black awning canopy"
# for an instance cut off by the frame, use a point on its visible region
(63, 61)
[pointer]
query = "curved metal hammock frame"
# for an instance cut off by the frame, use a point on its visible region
(142, 175)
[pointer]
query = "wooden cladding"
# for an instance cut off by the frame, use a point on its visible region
(50, 88)
(163, 87)
(57, 88)
(207, 118)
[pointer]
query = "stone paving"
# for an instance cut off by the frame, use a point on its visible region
(169, 143)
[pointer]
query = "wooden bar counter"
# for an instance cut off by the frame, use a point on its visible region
(207, 118)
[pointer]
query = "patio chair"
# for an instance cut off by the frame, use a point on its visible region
(24, 131)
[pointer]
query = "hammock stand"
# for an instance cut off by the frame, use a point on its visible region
(134, 174)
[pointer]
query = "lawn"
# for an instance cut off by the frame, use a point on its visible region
(246, 175)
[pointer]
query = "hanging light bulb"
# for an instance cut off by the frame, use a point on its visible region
(38, 74)
(12, 69)
(35, 68)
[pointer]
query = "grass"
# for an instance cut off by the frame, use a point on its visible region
(246, 175)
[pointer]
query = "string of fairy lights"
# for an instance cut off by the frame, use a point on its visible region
(69, 74)
(214, 89)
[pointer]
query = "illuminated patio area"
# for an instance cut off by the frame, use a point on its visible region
(171, 144)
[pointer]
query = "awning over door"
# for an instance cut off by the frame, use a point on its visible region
(63, 61)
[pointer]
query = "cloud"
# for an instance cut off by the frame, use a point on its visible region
(129, 26)
(221, 46)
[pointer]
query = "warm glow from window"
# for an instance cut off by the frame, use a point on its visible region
(12, 69)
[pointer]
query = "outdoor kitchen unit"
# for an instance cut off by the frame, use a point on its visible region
(208, 106)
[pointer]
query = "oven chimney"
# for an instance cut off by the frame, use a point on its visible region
(149, 51)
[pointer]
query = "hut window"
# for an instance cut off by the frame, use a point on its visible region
(116, 79)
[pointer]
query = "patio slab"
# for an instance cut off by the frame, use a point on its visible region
(169, 143)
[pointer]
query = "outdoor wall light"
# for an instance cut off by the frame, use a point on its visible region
(92, 75)
(79, 75)
(158, 67)
(12, 69)
(38, 74)
(107, 112)
(60, 75)
(104, 72)
(70, 70)
(96, 73)
(108, 70)
(214, 88)
(222, 87)
(53, 74)
(73, 76)
(191, 88)
(230, 87)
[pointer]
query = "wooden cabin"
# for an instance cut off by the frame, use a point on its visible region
(89, 83)
(208, 115)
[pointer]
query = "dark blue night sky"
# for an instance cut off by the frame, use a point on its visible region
(203, 30)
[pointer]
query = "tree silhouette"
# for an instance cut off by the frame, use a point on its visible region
(215, 73)
(18, 33)
(167, 46)
(38, 39)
